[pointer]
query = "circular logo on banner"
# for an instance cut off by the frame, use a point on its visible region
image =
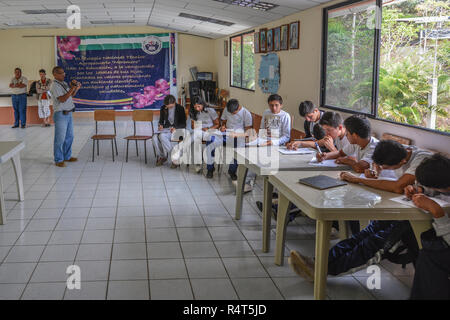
(151, 45)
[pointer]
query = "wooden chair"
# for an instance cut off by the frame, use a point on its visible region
(104, 115)
(399, 139)
(143, 116)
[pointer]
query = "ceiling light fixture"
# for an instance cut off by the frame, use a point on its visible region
(254, 4)
(205, 19)
(45, 11)
(111, 21)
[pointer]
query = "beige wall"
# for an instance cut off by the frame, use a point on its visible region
(300, 80)
(34, 53)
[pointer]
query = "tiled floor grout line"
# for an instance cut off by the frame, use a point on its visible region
(87, 218)
(59, 218)
(178, 236)
(253, 250)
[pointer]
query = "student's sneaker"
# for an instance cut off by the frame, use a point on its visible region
(60, 164)
(198, 168)
(160, 161)
(174, 166)
(15, 126)
(72, 159)
(303, 266)
(209, 175)
(233, 176)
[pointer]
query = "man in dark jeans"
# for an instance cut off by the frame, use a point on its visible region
(18, 87)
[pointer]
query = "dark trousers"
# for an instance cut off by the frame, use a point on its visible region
(432, 276)
(19, 102)
(233, 166)
(362, 246)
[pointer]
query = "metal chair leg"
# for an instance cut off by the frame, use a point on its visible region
(137, 152)
(98, 148)
(93, 149)
(128, 143)
(115, 142)
(145, 150)
(112, 149)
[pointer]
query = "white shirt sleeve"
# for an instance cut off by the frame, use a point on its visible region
(285, 134)
(248, 121)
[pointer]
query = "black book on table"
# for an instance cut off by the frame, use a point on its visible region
(322, 182)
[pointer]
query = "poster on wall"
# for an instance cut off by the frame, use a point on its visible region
(269, 73)
(121, 72)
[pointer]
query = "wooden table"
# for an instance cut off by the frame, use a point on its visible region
(266, 161)
(10, 150)
(350, 202)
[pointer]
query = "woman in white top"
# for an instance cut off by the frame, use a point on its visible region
(43, 88)
(204, 122)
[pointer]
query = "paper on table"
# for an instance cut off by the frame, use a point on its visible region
(324, 163)
(404, 200)
(284, 150)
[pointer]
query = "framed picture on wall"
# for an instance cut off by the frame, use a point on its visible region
(284, 37)
(263, 40)
(269, 40)
(294, 35)
(256, 42)
(276, 39)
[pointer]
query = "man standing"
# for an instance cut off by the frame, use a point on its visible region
(18, 87)
(63, 107)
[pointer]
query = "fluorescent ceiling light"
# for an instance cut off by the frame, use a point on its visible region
(254, 4)
(45, 11)
(205, 19)
(19, 24)
(111, 21)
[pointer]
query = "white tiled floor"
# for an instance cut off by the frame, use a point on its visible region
(140, 232)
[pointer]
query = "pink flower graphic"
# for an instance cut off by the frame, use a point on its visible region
(67, 44)
(151, 94)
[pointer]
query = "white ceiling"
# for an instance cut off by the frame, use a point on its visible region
(157, 13)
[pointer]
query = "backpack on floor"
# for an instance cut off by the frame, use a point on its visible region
(401, 247)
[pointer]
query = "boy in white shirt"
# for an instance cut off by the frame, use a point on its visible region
(277, 124)
(432, 269)
(236, 119)
(391, 155)
(358, 154)
(336, 137)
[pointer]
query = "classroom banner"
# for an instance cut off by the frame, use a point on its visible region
(121, 72)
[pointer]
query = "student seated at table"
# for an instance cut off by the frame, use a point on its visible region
(172, 117)
(361, 145)
(206, 120)
(390, 155)
(236, 123)
(277, 124)
(312, 115)
(379, 238)
(336, 134)
(432, 269)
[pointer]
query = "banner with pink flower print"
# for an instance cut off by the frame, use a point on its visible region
(121, 72)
